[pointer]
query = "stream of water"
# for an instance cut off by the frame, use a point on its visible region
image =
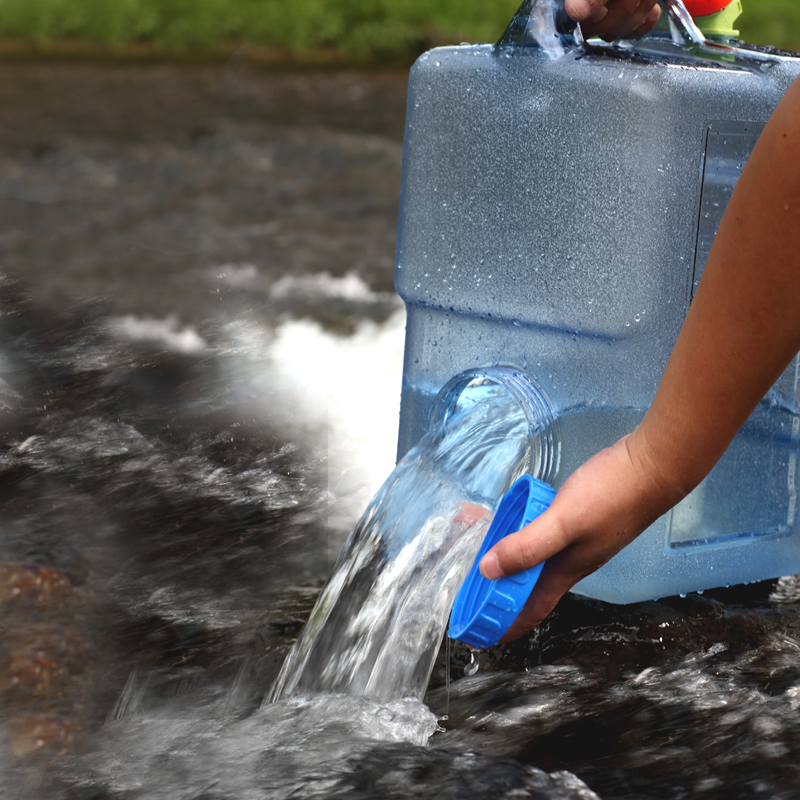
(378, 623)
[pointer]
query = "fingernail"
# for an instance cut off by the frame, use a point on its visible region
(654, 14)
(490, 568)
(577, 9)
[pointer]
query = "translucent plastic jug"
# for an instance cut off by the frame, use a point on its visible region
(559, 201)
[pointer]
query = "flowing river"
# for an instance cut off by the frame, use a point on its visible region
(200, 361)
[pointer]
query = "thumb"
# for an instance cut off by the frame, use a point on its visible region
(536, 542)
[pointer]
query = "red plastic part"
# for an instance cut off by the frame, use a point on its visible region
(700, 8)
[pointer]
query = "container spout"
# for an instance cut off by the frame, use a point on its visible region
(716, 18)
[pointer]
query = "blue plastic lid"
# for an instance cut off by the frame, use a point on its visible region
(484, 609)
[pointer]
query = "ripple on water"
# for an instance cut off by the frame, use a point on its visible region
(179, 554)
(324, 746)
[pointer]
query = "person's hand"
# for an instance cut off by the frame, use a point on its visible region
(614, 19)
(604, 505)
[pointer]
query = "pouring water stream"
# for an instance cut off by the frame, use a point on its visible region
(377, 625)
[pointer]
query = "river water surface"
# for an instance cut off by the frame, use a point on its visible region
(200, 360)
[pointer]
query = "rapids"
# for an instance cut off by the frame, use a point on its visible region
(184, 249)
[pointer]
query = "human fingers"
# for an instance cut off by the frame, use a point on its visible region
(540, 541)
(536, 542)
(592, 503)
(623, 19)
(650, 22)
(553, 584)
(581, 10)
(467, 514)
(605, 504)
(561, 572)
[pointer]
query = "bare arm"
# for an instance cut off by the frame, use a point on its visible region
(742, 330)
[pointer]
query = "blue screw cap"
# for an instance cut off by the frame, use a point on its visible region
(484, 609)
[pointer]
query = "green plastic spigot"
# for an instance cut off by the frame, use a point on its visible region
(716, 18)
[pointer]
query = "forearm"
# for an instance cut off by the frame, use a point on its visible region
(743, 327)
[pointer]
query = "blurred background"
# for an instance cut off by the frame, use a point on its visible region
(305, 29)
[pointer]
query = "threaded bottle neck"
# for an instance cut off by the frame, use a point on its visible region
(544, 442)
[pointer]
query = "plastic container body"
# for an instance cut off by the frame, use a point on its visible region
(556, 215)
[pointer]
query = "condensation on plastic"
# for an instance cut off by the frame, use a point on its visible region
(551, 209)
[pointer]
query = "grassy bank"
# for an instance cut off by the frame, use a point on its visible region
(353, 27)
(357, 27)
(775, 22)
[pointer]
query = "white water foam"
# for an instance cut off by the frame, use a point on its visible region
(298, 745)
(323, 284)
(167, 332)
(351, 385)
(338, 392)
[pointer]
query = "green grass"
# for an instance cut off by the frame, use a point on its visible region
(775, 22)
(352, 26)
(355, 27)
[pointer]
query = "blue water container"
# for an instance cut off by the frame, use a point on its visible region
(559, 201)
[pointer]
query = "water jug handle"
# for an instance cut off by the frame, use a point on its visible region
(565, 25)
(545, 25)
(542, 25)
(683, 23)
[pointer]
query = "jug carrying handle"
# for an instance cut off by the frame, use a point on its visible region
(682, 21)
(545, 24)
